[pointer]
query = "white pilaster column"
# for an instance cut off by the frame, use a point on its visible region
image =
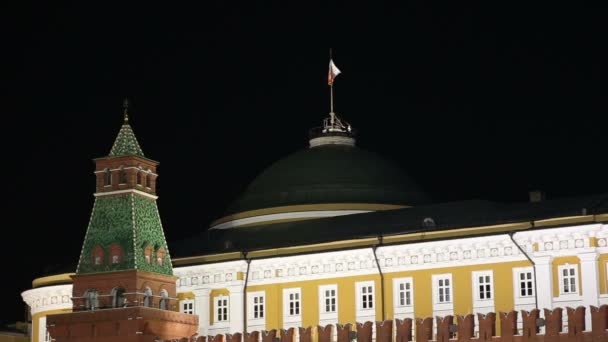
(237, 317)
(544, 281)
(590, 282)
(201, 308)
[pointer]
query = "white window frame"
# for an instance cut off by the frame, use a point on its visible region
(517, 281)
(292, 320)
(259, 322)
(363, 303)
(445, 305)
(221, 302)
(406, 310)
(325, 315)
(253, 301)
(187, 306)
(577, 285)
(486, 302)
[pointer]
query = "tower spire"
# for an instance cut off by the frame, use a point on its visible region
(125, 109)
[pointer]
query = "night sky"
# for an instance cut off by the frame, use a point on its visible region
(472, 103)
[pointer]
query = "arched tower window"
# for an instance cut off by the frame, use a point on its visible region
(107, 176)
(160, 256)
(147, 297)
(164, 300)
(91, 300)
(115, 254)
(148, 254)
(118, 297)
(123, 175)
(139, 171)
(98, 255)
(146, 180)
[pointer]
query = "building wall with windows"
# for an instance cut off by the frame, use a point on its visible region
(451, 276)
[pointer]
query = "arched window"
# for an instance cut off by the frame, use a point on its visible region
(164, 300)
(147, 297)
(107, 176)
(148, 254)
(160, 256)
(118, 297)
(123, 176)
(91, 301)
(138, 177)
(98, 256)
(145, 181)
(115, 254)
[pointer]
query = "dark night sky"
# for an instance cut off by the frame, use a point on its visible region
(473, 103)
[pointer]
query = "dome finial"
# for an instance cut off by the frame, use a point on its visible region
(125, 109)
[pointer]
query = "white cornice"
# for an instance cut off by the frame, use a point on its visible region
(57, 297)
(286, 216)
(126, 191)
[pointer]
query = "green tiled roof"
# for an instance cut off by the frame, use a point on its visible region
(126, 143)
(131, 221)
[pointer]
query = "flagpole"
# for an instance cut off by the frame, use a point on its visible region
(331, 96)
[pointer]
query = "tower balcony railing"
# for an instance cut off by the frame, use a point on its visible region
(127, 300)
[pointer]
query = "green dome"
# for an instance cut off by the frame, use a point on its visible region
(329, 174)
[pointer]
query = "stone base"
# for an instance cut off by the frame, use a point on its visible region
(122, 324)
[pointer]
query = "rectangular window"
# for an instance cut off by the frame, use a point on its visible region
(483, 284)
(404, 292)
(294, 304)
(115, 259)
(258, 307)
(568, 275)
(221, 308)
(329, 298)
(187, 306)
(365, 295)
(526, 285)
(443, 288)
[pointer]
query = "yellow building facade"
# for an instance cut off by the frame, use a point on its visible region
(334, 234)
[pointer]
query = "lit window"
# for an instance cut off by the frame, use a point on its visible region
(568, 278)
(365, 295)
(97, 260)
(115, 259)
(148, 297)
(187, 306)
(159, 261)
(404, 292)
(90, 300)
(221, 308)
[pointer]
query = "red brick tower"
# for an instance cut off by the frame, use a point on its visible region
(124, 288)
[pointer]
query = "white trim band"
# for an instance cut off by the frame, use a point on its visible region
(126, 191)
(283, 216)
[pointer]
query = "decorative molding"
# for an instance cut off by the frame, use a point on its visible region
(286, 216)
(48, 298)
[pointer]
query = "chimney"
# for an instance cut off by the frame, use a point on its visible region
(536, 196)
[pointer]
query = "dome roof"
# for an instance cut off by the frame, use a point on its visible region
(330, 173)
